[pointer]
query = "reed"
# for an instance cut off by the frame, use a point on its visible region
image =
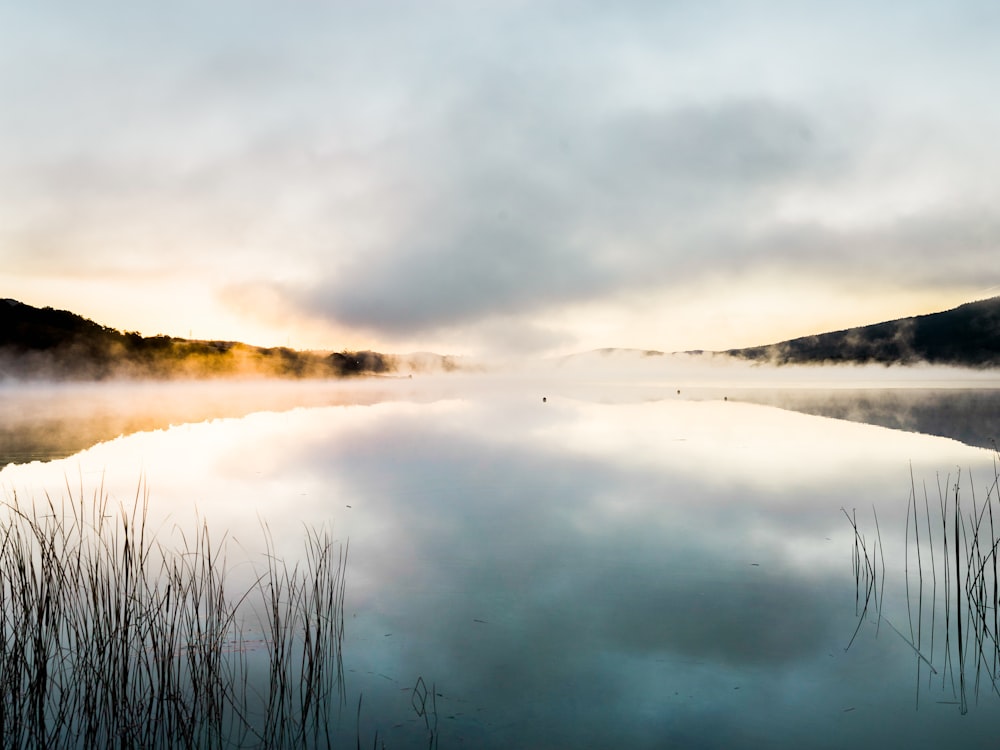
(967, 659)
(109, 638)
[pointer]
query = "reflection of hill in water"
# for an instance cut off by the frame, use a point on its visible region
(43, 424)
(47, 423)
(971, 416)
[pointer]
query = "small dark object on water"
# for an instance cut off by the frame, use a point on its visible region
(544, 399)
(678, 391)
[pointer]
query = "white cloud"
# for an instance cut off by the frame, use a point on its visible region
(414, 173)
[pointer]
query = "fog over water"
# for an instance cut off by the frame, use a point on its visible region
(619, 564)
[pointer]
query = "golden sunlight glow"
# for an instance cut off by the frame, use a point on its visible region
(714, 314)
(759, 308)
(185, 308)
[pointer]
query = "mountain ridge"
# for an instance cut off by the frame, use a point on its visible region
(46, 343)
(37, 343)
(965, 336)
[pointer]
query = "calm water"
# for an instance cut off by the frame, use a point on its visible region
(615, 567)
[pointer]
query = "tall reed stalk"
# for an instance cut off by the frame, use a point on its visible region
(110, 639)
(970, 541)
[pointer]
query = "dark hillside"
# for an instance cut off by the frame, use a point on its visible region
(25, 328)
(967, 336)
(60, 345)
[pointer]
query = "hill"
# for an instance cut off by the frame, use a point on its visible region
(57, 344)
(967, 336)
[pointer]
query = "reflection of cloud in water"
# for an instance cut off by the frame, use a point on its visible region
(530, 536)
(576, 573)
(521, 536)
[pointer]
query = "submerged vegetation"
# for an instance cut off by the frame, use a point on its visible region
(952, 586)
(108, 638)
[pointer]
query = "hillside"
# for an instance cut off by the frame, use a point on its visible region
(967, 336)
(57, 344)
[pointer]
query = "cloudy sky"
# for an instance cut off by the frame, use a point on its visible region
(499, 177)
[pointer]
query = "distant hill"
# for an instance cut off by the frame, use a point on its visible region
(967, 336)
(57, 344)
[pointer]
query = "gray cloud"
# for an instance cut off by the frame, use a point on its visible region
(945, 245)
(422, 170)
(519, 218)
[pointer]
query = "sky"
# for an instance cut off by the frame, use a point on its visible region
(499, 178)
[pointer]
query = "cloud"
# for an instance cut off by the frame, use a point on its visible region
(514, 218)
(418, 172)
(943, 245)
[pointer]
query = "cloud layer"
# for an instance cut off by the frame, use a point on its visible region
(484, 174)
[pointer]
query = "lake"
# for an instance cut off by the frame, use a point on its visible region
(564, 563)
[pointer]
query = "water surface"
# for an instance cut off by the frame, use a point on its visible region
(630, 567)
